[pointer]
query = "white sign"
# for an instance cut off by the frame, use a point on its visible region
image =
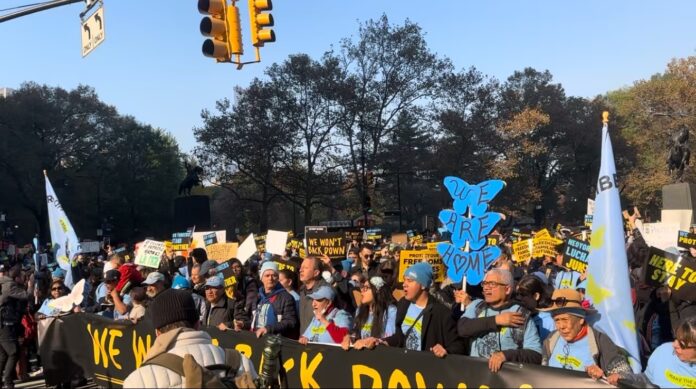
(93, 31)
(682, 217)
(660, 235)
(150, 254)
(276, 242)
(590, 207)
(88, 247)
(247, 249)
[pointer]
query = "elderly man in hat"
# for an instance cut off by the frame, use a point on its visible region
(276, 312)
(576, 346)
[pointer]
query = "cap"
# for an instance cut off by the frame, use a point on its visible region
(180, 282)
(324, 292)
(215, 282)
(112, 275)
(153, 278)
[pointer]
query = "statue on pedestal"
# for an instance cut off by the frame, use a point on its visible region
(193, 173)
(679, 154)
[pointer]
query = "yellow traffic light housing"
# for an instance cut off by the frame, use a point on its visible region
(260, 19)
(223, 29)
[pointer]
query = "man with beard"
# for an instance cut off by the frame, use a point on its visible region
(154, 284)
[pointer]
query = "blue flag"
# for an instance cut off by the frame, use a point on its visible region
(608, 286)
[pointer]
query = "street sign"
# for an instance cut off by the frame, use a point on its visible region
(93, 31)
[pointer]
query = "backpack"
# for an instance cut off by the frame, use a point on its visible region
(197, 376)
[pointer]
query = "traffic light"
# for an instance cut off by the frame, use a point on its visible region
(259, 20)
(223, 28)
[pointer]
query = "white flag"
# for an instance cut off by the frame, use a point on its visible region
(63, 237)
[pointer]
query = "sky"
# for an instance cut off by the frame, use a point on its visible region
(150, 65)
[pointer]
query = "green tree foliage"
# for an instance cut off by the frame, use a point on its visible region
(102, 165)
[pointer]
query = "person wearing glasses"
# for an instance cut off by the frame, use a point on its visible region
(366, 261)
(673, 365)
(500, 329)
(376, 315)
(58, 289)
(576, 346)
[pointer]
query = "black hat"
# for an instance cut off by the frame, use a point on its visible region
(171, 306)
(112, 275)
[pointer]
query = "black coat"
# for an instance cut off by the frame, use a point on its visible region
(438, 327)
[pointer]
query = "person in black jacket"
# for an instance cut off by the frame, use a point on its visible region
(13, 300)
(422, 322)
(276, 312)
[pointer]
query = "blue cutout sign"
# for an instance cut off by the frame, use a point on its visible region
(469, 222)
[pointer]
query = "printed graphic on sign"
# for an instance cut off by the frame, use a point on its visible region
(332, 244)
(575, 255)
(410, 257)
(150, 254)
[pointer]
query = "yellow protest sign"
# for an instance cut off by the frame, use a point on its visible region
(410, 257)
(522, 250)
(221, 252)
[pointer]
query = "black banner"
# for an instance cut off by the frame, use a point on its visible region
(575, 255)
(108, 351)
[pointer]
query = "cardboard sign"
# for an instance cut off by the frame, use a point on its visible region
(575, 255)
(276, 242)
(664, 268)
(221, 252)
(150, 254)
(332, 244)
(410, 257)
(400, 238)
(522, 250)
(247, 249)
(373, 234)
(210, 238)
(686, 240)
(88, 247)
(545, 245)
(354, 235)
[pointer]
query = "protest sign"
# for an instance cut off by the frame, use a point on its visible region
(225, 269)
(522, 250)
(660, 235)
(88, 247)
(400, 238)
(433, 245)
(410, 257)
(332, 244)
(260, 241)
(221, 252)
(665, 268)
(276, 241)
(590, 207)
(150, 254)
(373, 234)
(181, 241)
(210, 238)
(588, 221)
(198, 237)
(575, 255)
(247, 249)
(493, 240)
(291, 265)
(681, 217)
(354, 234)
(108, 351)
(545, 245)
(686, 240)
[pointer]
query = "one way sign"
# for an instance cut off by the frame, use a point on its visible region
(93, 31)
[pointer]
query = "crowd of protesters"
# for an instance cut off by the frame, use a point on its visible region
(534, 312)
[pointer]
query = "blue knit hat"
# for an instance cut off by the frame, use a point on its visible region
(420, 272)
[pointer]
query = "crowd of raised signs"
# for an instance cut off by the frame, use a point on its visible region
(530, 307)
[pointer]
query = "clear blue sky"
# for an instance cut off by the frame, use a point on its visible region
(150, 65)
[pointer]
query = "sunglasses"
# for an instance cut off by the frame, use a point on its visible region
(684, 346)
(562, 301)
(56, 289)
(492, 284)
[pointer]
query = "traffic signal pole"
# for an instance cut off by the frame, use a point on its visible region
(37, 8)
